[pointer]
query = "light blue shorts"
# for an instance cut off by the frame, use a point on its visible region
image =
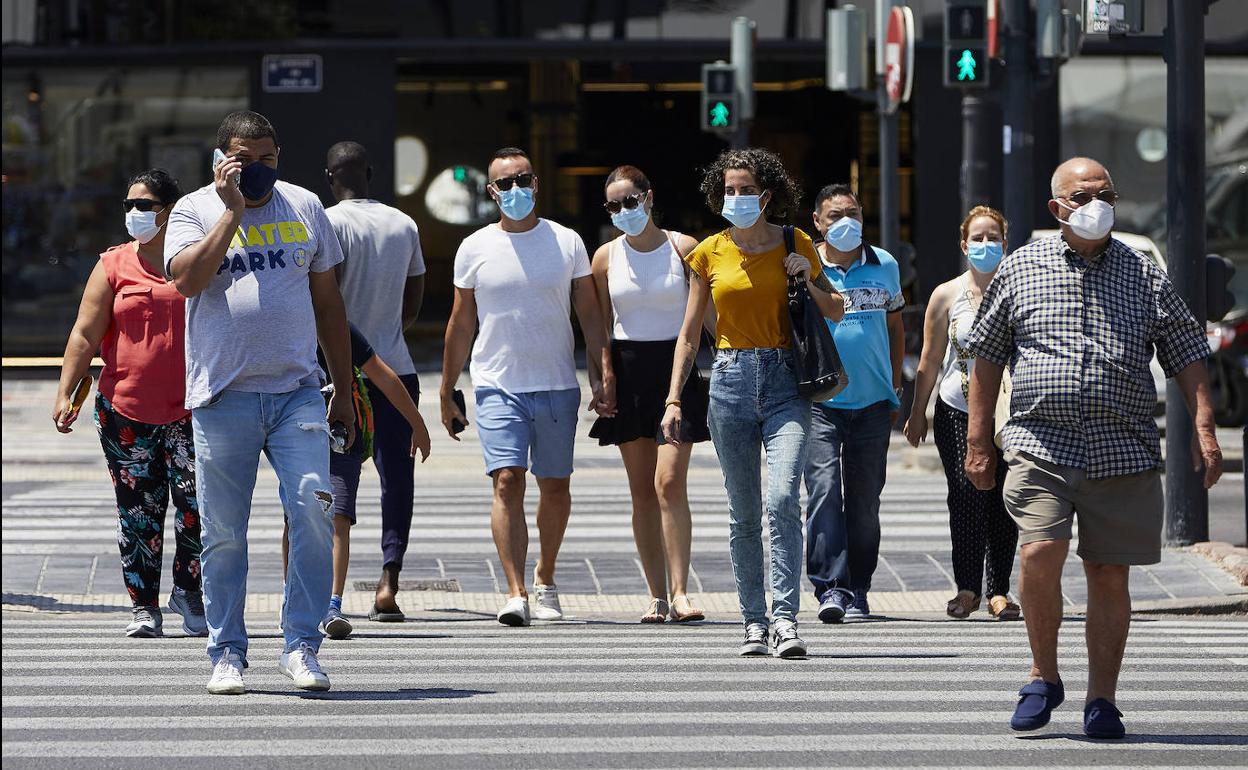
(517, 427)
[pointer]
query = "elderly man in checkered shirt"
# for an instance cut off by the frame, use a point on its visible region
(1077, 317)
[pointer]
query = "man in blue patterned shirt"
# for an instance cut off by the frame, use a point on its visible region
(1077, 318)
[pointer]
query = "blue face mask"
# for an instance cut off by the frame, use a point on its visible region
(845, 234)
(741, 210)
(516, 203)
(984, 256)
(256, 180)
(631, 221)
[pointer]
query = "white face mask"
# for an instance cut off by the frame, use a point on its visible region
(1092, 221)
(142, 225)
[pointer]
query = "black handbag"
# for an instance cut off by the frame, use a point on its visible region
(816, 361)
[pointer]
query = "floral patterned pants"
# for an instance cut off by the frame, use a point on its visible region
(149, 464)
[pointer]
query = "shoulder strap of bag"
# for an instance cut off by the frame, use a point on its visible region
(790, 240)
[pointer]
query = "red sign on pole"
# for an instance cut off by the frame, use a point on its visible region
(899, 57)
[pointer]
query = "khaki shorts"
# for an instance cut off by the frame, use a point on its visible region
(1120, 517)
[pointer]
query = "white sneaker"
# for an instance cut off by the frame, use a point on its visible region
(146, 623)
(227, 675)
(547, 603)
(303, 668)
(515, 612)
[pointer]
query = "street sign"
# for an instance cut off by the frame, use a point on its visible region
(300, 73)
(899, 57)
(1113, 17)
(968, 42)
(720, 105)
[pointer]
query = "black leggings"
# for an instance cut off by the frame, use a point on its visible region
(979, 527)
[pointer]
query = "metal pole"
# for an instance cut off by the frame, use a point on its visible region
(1017, 141)
(1187, 502)
(742, 49)
(976, 169)
(890, 182)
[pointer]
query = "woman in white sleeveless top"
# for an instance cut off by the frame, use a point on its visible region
(643, 290)
(980, 529)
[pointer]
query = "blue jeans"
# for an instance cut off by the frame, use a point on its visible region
(755, 404)
(845, 470)
(230, 433)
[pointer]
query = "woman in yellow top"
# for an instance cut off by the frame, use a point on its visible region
(754, 400)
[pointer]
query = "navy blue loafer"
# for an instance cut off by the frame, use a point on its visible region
(1102, 719)
(1036, 702)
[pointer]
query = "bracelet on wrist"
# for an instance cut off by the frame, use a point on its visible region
(672, 402)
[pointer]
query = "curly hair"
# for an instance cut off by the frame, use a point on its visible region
(984, 211)
(768, 172)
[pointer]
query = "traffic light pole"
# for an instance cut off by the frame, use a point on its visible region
(976, 174)
(1187, 502)
(742, 51)
(890, 182)
(1018, 143)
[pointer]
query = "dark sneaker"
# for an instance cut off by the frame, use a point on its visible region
(146, 624)
(834, 605)
(1036, 702)
(755, 639)
(335, 626)
(858, 608)
(190, 605)
(786, 643)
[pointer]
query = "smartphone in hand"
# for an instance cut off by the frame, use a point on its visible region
(218, 158)
(459, 426)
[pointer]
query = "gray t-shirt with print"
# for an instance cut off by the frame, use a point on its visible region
(253, 328)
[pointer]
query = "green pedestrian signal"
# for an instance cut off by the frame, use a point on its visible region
(460, 173)
(719, 115)
(966, 65)
(719, 98)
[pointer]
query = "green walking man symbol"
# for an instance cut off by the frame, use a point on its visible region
(719, 114)
(966, 65)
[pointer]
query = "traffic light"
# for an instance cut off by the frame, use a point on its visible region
(966, 43)
(719, 98)
(1218, 297)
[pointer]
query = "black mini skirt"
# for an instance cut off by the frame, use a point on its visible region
(643, 374)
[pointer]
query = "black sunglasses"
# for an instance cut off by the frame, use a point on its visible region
(627, 202)
(142, 204)
(505, 183)
(1083, 197)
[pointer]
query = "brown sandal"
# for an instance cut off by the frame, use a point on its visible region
(683, 610)
(1001, 608)
(962, 605)
(656, 612)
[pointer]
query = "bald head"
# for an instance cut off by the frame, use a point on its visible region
(1077, 173)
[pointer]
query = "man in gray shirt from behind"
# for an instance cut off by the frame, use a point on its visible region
(383, 282)
(255, 258)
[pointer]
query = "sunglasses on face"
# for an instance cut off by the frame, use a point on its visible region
(1083, 197)
(627, 202)
(142, 204)
(506, 182)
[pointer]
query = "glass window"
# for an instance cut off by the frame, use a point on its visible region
(72, 138)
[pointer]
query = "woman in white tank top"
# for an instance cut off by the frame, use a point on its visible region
(980, 529)
(642, 288)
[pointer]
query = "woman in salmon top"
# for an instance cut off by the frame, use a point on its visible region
(136, 320)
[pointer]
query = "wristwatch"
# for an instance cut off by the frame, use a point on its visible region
(898, 391)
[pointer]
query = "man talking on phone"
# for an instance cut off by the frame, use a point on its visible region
(255, 257)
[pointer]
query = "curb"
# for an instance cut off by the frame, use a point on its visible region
(1235, 604)
(1230, 558)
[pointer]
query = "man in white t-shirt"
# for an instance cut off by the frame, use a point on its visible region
(517, 281)
(382, 277)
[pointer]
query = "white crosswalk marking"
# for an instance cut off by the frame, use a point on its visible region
(452, 693)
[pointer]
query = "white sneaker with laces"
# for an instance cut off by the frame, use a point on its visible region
(547, 604)
(227, 675)
(515, 612)
(303, 668)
